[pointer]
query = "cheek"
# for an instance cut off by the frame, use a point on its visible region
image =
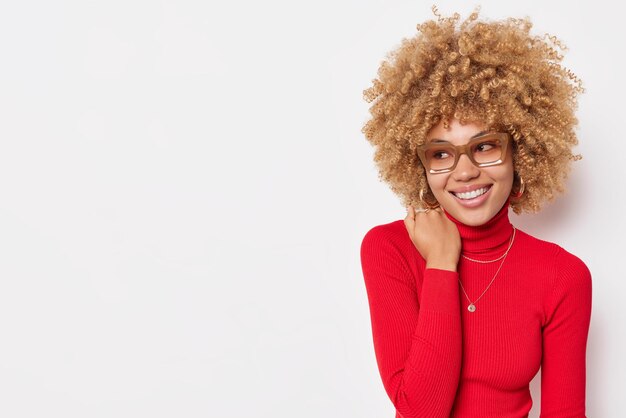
(436, 182)
(510, 170)
(506, 176)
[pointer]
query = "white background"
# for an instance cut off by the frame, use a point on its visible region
(185, 187)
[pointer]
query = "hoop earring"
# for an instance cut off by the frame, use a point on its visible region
(520, 192)
(429, 205)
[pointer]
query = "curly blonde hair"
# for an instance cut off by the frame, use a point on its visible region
(494, 73)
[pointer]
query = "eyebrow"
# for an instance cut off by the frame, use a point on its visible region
(437, 140)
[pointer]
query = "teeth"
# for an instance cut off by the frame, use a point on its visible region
(472, 194)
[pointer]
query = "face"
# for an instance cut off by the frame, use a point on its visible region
(498, 179)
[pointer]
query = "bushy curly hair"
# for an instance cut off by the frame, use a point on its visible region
(494, 73)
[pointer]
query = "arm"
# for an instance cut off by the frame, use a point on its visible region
(418, 348)
(568, 315)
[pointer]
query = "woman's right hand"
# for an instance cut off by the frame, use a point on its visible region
(435, 236)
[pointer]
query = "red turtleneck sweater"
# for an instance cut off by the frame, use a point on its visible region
(437, 359)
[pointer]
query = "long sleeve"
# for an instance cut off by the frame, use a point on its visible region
(418, 343)
(568, 316)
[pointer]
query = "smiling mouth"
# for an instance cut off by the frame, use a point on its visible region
(473, 194)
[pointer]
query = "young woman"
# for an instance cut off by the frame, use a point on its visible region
(471, 118)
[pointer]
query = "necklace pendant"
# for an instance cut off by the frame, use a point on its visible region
(471, 307)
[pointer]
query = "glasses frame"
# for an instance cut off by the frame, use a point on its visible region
(503, 137)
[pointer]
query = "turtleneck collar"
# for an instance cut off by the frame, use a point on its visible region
(487, 240)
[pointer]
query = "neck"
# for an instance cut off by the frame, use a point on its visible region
(486, 241)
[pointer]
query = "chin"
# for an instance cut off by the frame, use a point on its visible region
(472, 217)
(464, 218)
(474, 220)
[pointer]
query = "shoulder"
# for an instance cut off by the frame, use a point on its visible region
(388, 241)
(391, 231)
(536, 245)
(572, 269)
(565, 276)
(566, 265)
(570, 299)
(571, 283)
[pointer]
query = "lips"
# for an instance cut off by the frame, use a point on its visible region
(471, 201)
(471, 192)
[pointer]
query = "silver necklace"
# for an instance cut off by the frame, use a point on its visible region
(472, 306)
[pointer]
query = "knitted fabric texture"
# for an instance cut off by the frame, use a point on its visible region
(437, 359)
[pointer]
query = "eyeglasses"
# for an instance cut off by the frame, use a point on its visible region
(483, 151)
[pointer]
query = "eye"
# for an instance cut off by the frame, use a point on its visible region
(440, 155)
(485, 146)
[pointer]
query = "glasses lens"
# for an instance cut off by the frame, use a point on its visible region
(487, 150)
(440, 157)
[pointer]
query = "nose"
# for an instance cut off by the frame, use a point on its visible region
(465, 169)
